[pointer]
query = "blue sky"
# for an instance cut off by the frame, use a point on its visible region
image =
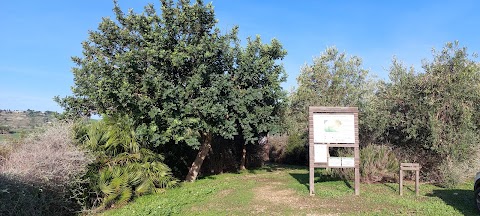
(38, 38)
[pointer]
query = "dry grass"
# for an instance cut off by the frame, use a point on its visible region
(40, 175)
(5, 150)
(47, 157)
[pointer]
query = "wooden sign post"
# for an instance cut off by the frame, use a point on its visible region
(333, 127)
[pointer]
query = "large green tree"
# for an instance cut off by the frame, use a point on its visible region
(178, 78)
(334, 79)
(257, 95)
(435, 111)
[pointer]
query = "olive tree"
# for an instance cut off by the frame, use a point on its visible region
(435, 111)
(334, 79)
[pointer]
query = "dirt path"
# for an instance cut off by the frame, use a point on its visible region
(273, 198)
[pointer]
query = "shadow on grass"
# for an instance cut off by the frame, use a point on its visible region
(19, 198)
(268, 167)
(273, 167)
(393, 188)
(210, 177)
(461, 200)
(303, 178)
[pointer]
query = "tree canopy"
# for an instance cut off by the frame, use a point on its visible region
(334, 79)
(178, 77)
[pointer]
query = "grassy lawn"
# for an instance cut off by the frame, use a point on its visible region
(281, 190)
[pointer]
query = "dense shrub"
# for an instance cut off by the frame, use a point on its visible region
(277, 147)
(435, 111)
(428, 161)
(40, 176)
(296, 151)
(257, 154)
(123, 167)
(429, 116)
(455, 173)
(8, 144)
(291, 149)
(378, 163)
(5, 150)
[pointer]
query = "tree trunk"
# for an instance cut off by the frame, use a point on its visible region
(244, 156)
(263, 141)
(202, 154)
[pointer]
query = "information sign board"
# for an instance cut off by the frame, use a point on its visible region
(321, 153)
(333, 128)
(335, 162)
(348, 162)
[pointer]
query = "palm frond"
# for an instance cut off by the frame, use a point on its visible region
(125, 168)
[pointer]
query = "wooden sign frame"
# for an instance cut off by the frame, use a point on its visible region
(342, 112)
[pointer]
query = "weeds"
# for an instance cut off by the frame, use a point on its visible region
(40, 173)
(378, 163)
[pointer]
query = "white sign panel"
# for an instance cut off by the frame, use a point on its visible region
(320, 153)
(348, 162)
(333, 128)
(335, 162)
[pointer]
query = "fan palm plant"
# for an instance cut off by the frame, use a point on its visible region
(124, 169)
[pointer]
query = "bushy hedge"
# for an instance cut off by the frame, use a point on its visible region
(291, 149)
(428, 116)
(68, 168)
(123, 168)
(41, 175)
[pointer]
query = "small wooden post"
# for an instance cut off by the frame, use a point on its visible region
(312, 172)
(410, 166)
(400, 184)
(357, 156)
(417, 183)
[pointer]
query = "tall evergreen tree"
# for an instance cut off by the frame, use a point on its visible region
(178, 78)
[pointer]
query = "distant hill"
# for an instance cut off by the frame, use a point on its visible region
(15, 120)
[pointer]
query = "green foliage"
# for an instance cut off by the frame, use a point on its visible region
(296, 151)
(256, 95)
(165, 72)
(123, 168)
(429, 117)
(334, 79)
(378, 164)
(436, 111)
(177, 77)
